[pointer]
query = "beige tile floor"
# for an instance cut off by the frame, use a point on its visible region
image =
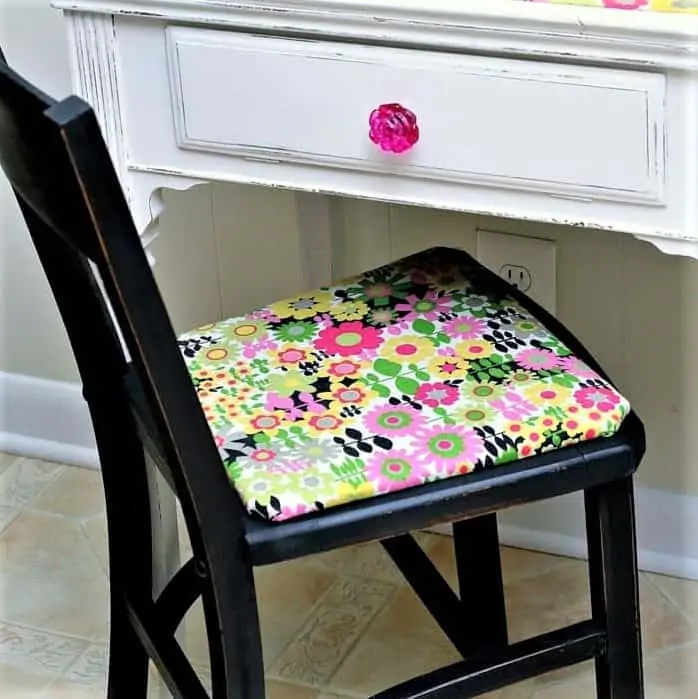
(338, 626)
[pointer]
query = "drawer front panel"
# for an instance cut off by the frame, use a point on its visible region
(568, 130)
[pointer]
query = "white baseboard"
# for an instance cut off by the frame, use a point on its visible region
(49, 420)
(666, 526)
(45, 419)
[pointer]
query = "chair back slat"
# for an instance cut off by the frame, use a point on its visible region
(30, 158)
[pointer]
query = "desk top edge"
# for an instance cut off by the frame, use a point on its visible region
(498, 14)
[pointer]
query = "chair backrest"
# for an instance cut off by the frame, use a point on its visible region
(58, 165)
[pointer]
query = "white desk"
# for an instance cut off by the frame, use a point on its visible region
(551, 113)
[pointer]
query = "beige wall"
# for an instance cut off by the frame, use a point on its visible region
(32, 340)
(223, 249)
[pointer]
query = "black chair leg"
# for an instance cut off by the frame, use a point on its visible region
(480, 583)
(610, 518)
(128, 659)
(234, 636)
(130, 554)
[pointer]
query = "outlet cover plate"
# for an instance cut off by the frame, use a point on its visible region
(516, 257)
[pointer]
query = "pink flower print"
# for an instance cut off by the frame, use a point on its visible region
(263, 314)
(324, 320)
(537, 359)
(428, 307)
(310, 404)
(256, 347)
(517, 399)
(512, 406)
(397, 327)
(292, 511)
(393, 420)
(262, 455)
(285, 466)
(394, 471)
(343, 368)
(448, 449)
(448, 366)
(576, 367)
(276, 402)
(291, 355)
(349, 338)
(434, 394)
(624, 4)
(603, 399)
(465, 328)
(291, 410)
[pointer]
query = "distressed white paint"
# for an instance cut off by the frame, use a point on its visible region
(435, 21)
(609, 146)
(283, 100)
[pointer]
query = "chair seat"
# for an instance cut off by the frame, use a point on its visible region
(411, 373)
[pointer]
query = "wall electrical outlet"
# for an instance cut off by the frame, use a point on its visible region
(527, 263)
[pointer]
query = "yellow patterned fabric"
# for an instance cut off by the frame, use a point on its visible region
(404, 375)
(686, 6)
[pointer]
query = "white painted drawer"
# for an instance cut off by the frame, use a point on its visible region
(572, 131)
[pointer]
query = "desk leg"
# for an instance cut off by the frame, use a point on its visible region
(314, 220)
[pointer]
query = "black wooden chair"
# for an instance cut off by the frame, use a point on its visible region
(422, 392)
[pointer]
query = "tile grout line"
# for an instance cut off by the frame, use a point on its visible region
(673, 604)
(61, 469)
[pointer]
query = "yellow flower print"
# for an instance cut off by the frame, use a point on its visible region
(474, 349)
(481, 393)
(349, 310)
(407, 349)
(533, 439)
(285, 383)
(348, 492)
(521, 377)
(246, 330)
(321, 424)
(268, 422)
(547, 394)
(302, 307)
(448, 367)
(674, 6)
(342, 395)
(547, 423)
(214, 355)
(204, 381)
(515, 429)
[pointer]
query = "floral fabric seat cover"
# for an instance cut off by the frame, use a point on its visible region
(407, 374)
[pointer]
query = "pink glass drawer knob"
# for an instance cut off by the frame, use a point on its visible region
(393, 128)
